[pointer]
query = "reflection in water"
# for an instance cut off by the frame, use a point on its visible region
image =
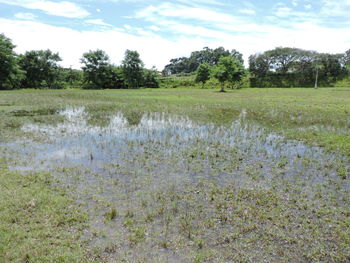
(173, 146)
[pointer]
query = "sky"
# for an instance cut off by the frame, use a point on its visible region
(162, 30)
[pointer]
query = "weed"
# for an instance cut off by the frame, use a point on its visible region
(112, 214)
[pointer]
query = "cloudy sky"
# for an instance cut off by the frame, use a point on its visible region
(161, 30)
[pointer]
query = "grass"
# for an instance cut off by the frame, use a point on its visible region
(38, 222)
(146, 207)
(315, 116)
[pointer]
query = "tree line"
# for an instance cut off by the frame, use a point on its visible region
(40, 69)
(280, 67)
(293, 67)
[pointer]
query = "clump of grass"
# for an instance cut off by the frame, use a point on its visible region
(112, 214)
(137, 235)
(342, 172)
(134, 117)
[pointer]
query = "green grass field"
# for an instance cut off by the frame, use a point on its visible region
(264, 218)
(316, 116)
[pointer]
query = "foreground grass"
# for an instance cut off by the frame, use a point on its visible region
(38, 223)
(319, 116)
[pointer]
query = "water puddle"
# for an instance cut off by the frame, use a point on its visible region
(125, 161)
(170, 145)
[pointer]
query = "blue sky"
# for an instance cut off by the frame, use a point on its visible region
(161, 30)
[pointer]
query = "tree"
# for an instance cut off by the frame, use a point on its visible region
(10, 74)
(41, 69)
(228, 69)
(206, 55)
(99, 73)
(73, 77)
(317, 67)
(176, 66)
(346, 58)
(291, 67)
(150, 78)
(132, 67)
(203, 73)
(283, 58)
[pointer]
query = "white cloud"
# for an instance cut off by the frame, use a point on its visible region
(127, 27)
(283, 11)
(63, 8)
(336, 8)
(247, 11)
(98, 22)
(25, 16)
(154, 28)
(71, 44)
(152, 13)
(202, 2)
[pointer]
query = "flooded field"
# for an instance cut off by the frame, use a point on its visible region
(163, 188)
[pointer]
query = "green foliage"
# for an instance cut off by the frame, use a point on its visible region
(72, 78)
(346, 58)
(292, 67)
(41, 69)
(177, 81)
(229, 70)
(150, 78)
(132, 66)
(203, 73)
(99, 73)
(207, 55)
(10, 74)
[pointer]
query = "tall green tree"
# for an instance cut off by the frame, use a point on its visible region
(72, 78)
(203, 73)
(150, 78)
(41, 69)
(10, 74)
(346, 58)
(99, 73)
(228, 70)
(206, 55)
(132, 66)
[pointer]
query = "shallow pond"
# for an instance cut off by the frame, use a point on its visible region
(172, 145)
(122, 163)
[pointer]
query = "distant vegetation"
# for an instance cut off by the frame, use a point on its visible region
(293, 67)
(280, 67)
(40, 69)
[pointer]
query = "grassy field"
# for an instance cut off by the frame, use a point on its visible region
(316, 116)
(230, 188)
